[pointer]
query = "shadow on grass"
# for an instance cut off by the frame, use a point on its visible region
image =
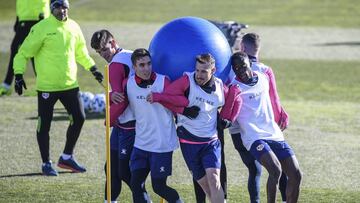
(60, 114)
(339, 44)
(30, 174)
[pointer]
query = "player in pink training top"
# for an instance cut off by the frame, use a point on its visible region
(123, 133)
(198, 138)
(260, 134)
(250, 44)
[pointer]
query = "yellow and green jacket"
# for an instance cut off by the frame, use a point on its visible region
(56, 47)
(30, 10)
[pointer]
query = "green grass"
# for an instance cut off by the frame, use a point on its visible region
(339, 13)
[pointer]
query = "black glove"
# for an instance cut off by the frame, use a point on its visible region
(19, 83)
(191, 112)
(223, 123)
(97, 74)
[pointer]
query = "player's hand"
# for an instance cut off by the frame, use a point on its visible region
(283, 121)
(97, 74)
(191, 112)
(149, 98)
(19, 84)
(223, 123)
(282, 124)
(117, 97)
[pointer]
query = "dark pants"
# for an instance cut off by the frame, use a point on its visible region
(254, 168)
(21, 31)
(71, 101)
(199, 193)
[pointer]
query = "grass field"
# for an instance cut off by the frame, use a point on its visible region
(313, 47)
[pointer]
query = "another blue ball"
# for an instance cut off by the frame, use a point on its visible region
(175, 46)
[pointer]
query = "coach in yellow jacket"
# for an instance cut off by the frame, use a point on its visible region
(57, 44)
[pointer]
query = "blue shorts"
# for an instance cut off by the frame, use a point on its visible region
(281, 149)
(122, 140)
(199, 157)
(160, 164)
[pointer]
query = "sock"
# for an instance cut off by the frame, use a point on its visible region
(111, 201)
(66, 156)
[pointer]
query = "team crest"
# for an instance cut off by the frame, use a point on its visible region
(260, 147)
(45, 95)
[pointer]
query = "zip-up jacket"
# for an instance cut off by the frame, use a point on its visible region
(56, 47)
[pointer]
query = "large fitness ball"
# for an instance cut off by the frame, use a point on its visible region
(175, 46)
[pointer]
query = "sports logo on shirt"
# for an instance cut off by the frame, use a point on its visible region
(162, 169)
(123, 151)
(45, 95)
(260, 147)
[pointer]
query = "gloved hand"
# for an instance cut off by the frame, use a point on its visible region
(19, 83)
(191, 112)
(223, 123)
(97, 74)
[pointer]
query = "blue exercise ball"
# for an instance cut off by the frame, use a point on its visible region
(174, 47)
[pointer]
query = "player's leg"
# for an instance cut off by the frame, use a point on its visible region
(140, 169)
(114, 178)
(264, 154)
(211, 161)
(46, 102)
(161, 168)
(282, 186)
(72, 103)
(114, 170)
(291, 168)
(199, 192)
(253, 166)
(21, 32)
(213, 178)
(125, 144)
(223, 171)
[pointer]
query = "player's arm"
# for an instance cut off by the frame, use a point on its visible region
(174, 102)
(174, 93)
(117, 75)
(281, 117)
(117, 109)
(81, 52)
(233, 102)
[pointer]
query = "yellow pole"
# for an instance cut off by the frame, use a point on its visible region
(107, 115)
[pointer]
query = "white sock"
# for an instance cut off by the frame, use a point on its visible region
(66, 156)
(111, 201)
(6, 86)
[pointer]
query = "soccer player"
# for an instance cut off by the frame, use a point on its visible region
(123, 132)
(155, 138)
(28, 13)
(57, 44)
(250, 44)
(198, 137)
(260, 134)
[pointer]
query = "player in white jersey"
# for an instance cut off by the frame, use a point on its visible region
(155, 138)
(250, 44)
(123, 133)
(199, 142)
(260, 133)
